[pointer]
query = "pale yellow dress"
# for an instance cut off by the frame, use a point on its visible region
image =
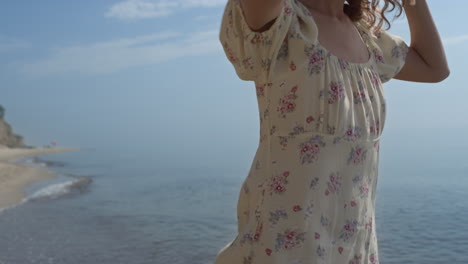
(310, 193)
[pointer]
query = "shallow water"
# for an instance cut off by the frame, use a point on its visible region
(132, 212)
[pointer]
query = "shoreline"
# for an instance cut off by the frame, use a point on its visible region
(14, 177)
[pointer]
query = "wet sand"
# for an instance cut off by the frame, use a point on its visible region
(14, 177)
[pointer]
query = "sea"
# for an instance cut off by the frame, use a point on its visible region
(103, 208)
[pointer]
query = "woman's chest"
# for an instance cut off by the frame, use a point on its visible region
(324, 95)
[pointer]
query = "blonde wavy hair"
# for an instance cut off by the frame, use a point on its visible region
(370, 14)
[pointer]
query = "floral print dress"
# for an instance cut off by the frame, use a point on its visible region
(310, 193)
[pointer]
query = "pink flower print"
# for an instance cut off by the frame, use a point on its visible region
(352, 134)
(356, 259)
(373, 258)
(375, 78)
(336, 92)
(378, 56)
(290, 235)
(309, 119)
(258, 231)
(289, 239)
(297, 208)
(278, 183)
(286, 103)
(369, 225)
(334, 184)
(364, 190)
(258, 38)
(360, 95)
(317, 235)
(230, 54)
(260, 90)
(288, 244)
(247, 63)
(316, 59)
(310, 149)
(340, 249)
(256, 236)
(343, 64)
(348, 230)
(375, 129)
(357, 155)
(353, 203)
(347, 227)
(268, 251)
(292, 66)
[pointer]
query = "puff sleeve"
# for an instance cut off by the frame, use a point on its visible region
(252, 53)
(391, 51)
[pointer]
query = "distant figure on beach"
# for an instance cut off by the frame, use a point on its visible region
(318, 67)
(52, 144)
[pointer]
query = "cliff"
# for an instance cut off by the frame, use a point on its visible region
(7, 137)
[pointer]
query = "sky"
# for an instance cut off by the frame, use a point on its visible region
(151, 76)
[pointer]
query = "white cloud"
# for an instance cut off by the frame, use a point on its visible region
(200, 3)
(116, 55)
(206, 17)
(140, 9)
(455, 40)
(8, 44)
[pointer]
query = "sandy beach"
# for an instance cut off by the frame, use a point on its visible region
(14, 177)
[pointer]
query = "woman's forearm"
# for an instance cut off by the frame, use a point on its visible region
(425, 39)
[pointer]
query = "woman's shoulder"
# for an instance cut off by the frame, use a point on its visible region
(253, 53)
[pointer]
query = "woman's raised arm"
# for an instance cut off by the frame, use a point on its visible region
(261, 14)
(426, 61)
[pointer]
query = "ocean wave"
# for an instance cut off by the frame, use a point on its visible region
(45, 163)
(56, 190)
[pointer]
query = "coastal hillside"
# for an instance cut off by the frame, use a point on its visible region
(7, 137)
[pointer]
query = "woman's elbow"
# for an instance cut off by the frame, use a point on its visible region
(442, 75)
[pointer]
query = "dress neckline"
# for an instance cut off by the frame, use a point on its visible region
(356, 25)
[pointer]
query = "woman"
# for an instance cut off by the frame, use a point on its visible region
(318, 68)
